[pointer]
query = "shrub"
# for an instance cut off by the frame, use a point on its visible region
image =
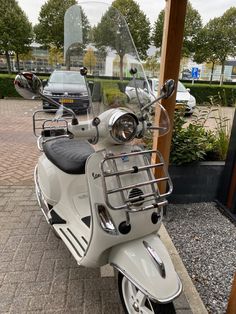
(194, 142)
(112, 94)
(221, 131)
(202, 92)
(189, 144)
(7, 88)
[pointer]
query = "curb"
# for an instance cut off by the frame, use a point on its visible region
(189, 289)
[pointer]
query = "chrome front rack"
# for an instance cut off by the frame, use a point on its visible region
(43, 120)
(142, 195)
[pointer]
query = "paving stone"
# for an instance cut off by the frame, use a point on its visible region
(33, 288)
(12, 243)
(114, 308)
(76, 287)
(110, 296)
(20, 276)
(46, 270)
(100, 283)
(37, 302)
(7, 291)
(84, 273)
(92, 296)
(33, 260)
(55, 301)
(6, 257)
(19, 305)
(75, 301)
(93, 309)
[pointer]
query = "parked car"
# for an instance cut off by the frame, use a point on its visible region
(184, 100)
(68, 88)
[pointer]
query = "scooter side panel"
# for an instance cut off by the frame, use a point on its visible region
(134, 261)
(141, 222)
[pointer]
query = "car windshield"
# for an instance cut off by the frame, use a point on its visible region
(181, 88)
(66, 77)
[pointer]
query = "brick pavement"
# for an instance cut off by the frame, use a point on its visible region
(18, 150)
(37, 273)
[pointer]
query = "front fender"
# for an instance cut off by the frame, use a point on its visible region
(152, 272)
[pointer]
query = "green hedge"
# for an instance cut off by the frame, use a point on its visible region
(112, 94)
(7, 88)
(226, 93)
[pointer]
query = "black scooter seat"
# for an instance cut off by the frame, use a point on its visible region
(69, 155)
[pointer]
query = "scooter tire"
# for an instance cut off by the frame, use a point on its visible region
(124, 285)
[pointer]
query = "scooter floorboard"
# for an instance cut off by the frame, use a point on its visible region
(74, 239)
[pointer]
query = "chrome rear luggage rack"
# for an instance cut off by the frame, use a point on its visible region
(132, 197)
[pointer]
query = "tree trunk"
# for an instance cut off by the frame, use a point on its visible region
(67, 60)
(121, 67)
(212, 71)
(17, 62)
(8, 62)
(222, 72)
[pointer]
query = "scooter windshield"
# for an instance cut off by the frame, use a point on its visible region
(98, 43)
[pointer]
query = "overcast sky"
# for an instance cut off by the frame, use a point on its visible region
(208, 9)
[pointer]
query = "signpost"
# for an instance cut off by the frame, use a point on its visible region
(195, 74)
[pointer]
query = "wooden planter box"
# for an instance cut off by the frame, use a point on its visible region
(196, 183)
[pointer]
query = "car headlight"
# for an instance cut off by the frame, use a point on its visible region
(123, 126)
(83, 93)
(47, 93)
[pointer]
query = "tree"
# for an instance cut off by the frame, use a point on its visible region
(111, 33)
(50, 30)
(138, 24)
(55, 56)
(15, 30)
(152, 65)
(216, 41)
(90, 59)
(193, 24)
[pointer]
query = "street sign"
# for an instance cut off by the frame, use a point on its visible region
(195, 73)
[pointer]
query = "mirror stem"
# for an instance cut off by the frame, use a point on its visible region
(53, 102)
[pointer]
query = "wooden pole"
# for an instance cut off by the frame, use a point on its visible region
(231, 309)
(175, 12)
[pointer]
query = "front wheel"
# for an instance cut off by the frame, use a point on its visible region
(134, 301)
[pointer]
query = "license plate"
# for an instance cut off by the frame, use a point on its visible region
(179, 106)
(66, 101)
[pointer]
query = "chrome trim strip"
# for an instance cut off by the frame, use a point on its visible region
(68, 229)
(129, 187)
(106, 222)
(158, 261)
(145, 292)
(68, 239)
(42, 203)
(85, 241)
(131, 170)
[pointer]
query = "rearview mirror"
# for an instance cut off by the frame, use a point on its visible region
(167, 89)
(28, 85)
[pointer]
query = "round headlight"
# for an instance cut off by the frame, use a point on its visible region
(123, 128)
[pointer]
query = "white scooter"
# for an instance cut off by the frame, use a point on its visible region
(94, 185)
